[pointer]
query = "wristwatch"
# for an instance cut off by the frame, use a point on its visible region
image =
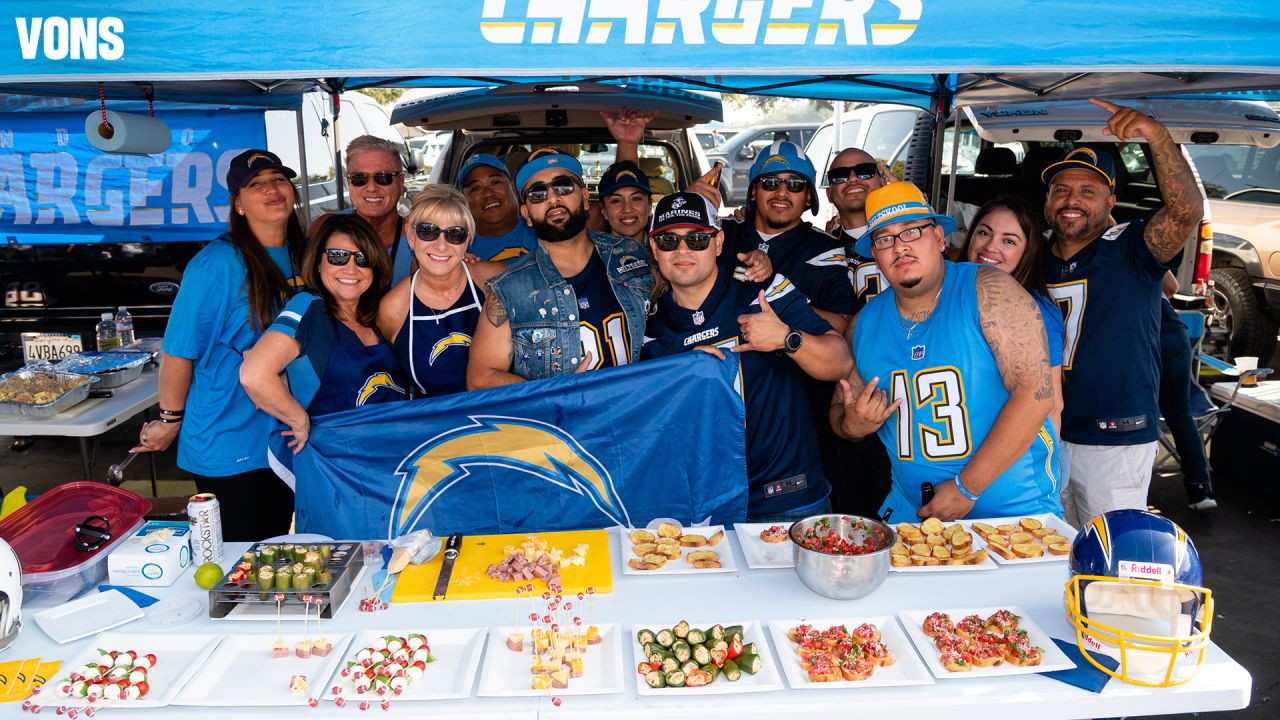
(792, 341)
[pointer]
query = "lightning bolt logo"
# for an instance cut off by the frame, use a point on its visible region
(1098, 528)
(444, 343)
(492, 441)
(508, 253)
(371, 385)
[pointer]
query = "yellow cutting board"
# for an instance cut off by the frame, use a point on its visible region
(469, 582)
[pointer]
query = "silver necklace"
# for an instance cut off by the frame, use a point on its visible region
(912, 328)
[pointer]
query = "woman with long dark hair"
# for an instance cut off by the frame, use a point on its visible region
(1008, 234)
(230, 292)
(326, 341)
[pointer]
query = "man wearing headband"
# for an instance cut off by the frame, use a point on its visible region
(956, 369)
(1107, 280)
(501, 234)
(777, 340)
(577, 302)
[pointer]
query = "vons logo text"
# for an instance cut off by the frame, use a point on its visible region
(77, 38)
(731, 22)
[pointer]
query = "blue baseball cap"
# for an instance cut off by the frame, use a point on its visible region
(543, 159)
(894, 203)
(1084, 158)
(480, 160)
(783, 156)
(623, 174)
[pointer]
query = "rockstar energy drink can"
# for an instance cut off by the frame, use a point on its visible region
(205, 518)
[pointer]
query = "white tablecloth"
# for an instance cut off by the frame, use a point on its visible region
(1222, 684)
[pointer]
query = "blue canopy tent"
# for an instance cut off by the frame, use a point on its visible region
(934, 55)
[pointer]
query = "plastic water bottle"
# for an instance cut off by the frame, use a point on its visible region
(108, 338)
(124, 326)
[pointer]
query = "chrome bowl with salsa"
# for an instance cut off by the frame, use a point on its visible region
(843, 557)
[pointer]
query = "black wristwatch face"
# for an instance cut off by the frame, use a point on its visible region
(792, 342)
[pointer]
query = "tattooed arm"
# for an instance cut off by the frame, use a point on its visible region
(1170, 227)
(1014, 330)
(492, 351)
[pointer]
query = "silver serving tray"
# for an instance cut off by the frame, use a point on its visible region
(53, 407)
(113, 368)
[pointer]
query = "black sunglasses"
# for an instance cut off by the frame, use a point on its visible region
(561, 184)
(382, 177)
(795, 185)
(862, 171)
(455, 235)
(339, 257)
(668, 242)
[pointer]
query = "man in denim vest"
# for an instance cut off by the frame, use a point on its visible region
(577, 302)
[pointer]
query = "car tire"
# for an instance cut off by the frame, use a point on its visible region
(1249, 332)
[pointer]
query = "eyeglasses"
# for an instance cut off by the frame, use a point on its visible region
(340, 258)
(455, 235)
(382, 177)
(561, 184)
(910, 235)
(862, 171)
(669, 242)
(794, 185)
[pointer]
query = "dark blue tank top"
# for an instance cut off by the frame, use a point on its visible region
(434, 346)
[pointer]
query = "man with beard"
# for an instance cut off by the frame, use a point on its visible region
(577, 302)
(852, 175)
(375, 180)
(778, 339)
(1107, 280)
(501, 235)
(962, 354)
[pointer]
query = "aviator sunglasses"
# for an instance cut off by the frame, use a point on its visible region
(862, 171)
(454, 235)
(340, 257)
(382, 177)
(794, 185)
(561, 184)
(668, 242)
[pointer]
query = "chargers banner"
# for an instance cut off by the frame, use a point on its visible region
(56, 188)
(662, 438)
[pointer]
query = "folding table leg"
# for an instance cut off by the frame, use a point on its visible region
(86, 463)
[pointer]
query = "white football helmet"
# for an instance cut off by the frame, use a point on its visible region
(10, 595)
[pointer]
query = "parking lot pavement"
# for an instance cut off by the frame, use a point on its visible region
(1239, 542)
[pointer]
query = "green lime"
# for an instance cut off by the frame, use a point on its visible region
(208, 575)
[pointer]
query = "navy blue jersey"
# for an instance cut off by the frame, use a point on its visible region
(434, 346)
(603, 326)
(782, 442)
(864, 274)
(1109, 294)
(810, 258)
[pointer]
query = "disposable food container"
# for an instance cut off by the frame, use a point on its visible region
(113, 369)
(43, 534)
(51, 407)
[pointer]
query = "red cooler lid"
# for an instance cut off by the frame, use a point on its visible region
(42, 532)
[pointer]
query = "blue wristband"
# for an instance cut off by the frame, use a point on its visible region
(963, 491)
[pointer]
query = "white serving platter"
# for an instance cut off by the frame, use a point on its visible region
(767, 680)
(457, 658)
(1052, 658)
(760, 554)
(1049, 520)
(178, 657)
(87, 616)
(978, 544)
(242, 672)
(906, 670)
(506, 672)
(681, 566)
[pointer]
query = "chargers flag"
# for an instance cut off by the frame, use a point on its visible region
(662, 438)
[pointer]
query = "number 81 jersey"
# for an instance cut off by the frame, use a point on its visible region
(951, 392)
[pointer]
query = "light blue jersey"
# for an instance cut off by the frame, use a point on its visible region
(952, 392)
(223, 433)
(507, 248)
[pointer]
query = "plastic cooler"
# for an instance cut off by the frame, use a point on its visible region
(43, 534)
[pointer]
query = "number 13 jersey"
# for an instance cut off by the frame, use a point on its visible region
(951, 391)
